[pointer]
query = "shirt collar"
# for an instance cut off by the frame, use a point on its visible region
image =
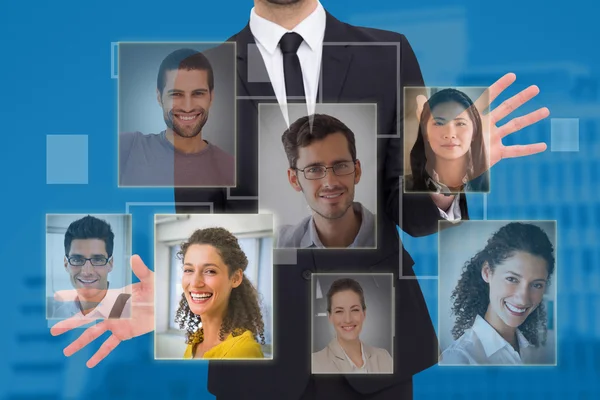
(434, 180)
(268, 34)
(491, 340)
(311, 237)
(103, 309)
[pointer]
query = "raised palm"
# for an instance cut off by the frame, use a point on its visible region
(493, 134)
(141, 321)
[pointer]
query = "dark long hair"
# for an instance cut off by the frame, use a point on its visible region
(471, 296)
(422, 155)
(243, 310)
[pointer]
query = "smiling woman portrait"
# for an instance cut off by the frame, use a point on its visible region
(346, 353)
(219, 307)
(449, 155)
(498, 301)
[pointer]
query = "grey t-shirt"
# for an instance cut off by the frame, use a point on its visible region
(151, 160)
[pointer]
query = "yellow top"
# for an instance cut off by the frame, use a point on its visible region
(242, 346)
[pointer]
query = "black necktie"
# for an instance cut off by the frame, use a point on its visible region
(294, 86)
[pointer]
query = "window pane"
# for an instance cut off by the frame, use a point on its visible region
(176, 290)
(265, 278)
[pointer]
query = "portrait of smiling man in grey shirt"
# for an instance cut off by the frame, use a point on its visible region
(178, 156)
(321, 151)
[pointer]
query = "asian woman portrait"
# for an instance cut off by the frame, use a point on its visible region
(449, 154)
(219, 307)
(346, 353)
(500, 316)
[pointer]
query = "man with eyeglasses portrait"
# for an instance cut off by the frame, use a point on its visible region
(88, 260)
(321, 151)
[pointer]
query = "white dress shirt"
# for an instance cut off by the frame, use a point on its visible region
(482, 344)
(268, 34)
(357, 369)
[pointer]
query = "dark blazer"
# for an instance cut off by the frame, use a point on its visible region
(351, 74)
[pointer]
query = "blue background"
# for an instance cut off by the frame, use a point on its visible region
(56, 80)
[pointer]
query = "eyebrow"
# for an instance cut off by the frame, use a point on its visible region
(520, 276)
(92, 256)
(182, 91)
(321, 164)
(355, 305)
(455, 119)
(202, 265)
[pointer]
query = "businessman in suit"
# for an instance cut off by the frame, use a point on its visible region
(349, 73)
(308, 54)
(350, 69)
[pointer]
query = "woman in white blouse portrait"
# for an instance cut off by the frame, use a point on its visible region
(500, 317)
(346, 353)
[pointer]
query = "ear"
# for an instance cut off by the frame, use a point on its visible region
(357, 172)
(486, 272)
(238, 277)
(110, 265)
(293, 179)
(65, 262)
(212, 97)
(158, 97)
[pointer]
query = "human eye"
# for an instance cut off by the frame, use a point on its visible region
(538, 285)
(210, 271)
(314, 170)
(355, 310)
(512, 279)
(188, 269)
(99, 260)
(461, 123)
(342, 166)
(76, 260)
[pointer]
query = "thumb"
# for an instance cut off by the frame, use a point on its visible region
(421, 100)
(143, 273)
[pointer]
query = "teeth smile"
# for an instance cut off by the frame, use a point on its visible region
(332, 196)
(200, 296)
(347, 328)
(186, 118)
(515, 309)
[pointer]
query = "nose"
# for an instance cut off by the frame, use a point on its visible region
(187, 103)
(523, 294)
(449, 132)
(330, 179)
(87, 268)
(198, 279)
(347, 317)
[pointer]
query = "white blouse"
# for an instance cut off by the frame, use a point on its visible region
(481, 344)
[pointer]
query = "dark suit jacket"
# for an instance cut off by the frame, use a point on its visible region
(352, 73)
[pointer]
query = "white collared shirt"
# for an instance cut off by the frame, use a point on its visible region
(101, 311)
(364, 360)
(482, 344)
(268, 34)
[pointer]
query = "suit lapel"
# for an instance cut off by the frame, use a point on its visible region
(335, 61)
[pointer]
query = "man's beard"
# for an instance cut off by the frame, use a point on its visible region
(189, 131)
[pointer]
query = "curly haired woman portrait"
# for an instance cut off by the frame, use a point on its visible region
(498, 301)
(219, 306)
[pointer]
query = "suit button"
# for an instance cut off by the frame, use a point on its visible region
(306, 274)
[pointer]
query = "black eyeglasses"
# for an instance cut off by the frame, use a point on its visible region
(320, 171)
(79, 261)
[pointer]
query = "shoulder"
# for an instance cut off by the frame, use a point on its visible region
(220, 153)
(291, 235)
(364, 34)
(244, 346)
(321, 362)
(461, 351)
(382, 355)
